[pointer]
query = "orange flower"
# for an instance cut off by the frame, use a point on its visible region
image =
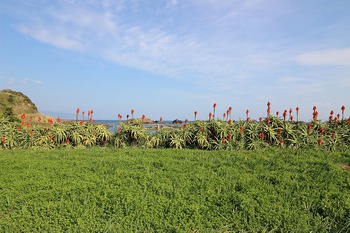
(31, 133)
(223, 140)
(309, 127)
(200, 128)
(333, 135)
(261, 135)
(160, 119)
(68, 141)
(319, 142)
(58, 119)
(23, 116)
(3, 140)
(39, 118)
(119, 130)
(229, 137)
(281, 142)
(18, 128)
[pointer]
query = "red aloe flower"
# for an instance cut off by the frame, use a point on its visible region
(248, 119)
(319, 142)
(333, 135)
(58, 119)
(39, 118)
(143, 117)
(195, 115)
(241, 130)
(314, 108)
(81, 122)
(210, 116)
(338, 116)
(230, 109)
(277, 113)
(119, 130)
(268, 104)
(28, 125)
(331, 113)
(279, 132)
(284, 115)
(68, 142)
(230, 122)
(309, 127)
(3, 140)
(330, 118)
(247, 113)
(132, 113)
(261, 135)
(224, 116)
(268, 111)
(18, 128)
(281, 142)
(50, 137)
(260, 119)
(268, 120)
(223, 140)
(201, 128)
(127, 117)
(186, 121)
(83, 114)
(349, 121)
(77, 114)
(321, 130)
(214, 107)
(184, 126)
(31, 133)
(160, 119)
(23, 116)
(297, 109)
(342, 111)
(229, 137)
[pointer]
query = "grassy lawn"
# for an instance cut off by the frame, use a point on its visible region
(165, 190)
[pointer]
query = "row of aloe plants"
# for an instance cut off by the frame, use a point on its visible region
(208, 135)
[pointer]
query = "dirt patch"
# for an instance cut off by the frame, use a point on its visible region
(345, 167)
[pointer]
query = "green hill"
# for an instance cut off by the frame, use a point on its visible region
(13, 104)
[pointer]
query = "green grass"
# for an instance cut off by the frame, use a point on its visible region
(135, 190)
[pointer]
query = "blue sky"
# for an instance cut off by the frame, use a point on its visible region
(170, 58)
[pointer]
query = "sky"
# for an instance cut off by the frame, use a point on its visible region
(169, 58)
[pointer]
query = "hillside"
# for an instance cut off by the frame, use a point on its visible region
(13, 104)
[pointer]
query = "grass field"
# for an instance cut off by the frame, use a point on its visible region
(164, 190)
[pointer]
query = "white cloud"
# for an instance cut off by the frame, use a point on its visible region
(52, 36)
(340, 57)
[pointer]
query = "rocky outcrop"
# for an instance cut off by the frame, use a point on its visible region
(177, 121)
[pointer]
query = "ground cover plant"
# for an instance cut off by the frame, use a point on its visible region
(167, 190)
